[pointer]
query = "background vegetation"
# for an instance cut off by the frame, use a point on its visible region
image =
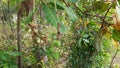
(59, 33)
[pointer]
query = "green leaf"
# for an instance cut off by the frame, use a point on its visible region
(14, 54)
(5, 66)
(3, 56)
(92, 23)
(58, 4)
(101, 6)
(56, 43)
(116, 35)
(50, 14)
(51, 17)
(14, 2)
(56, 55)
(71, 14)
(98, 4)
(28, 19)
(74, 1)
(86, 40)
(104, 7)
(63, 28)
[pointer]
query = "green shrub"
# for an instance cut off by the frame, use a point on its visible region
(8, 59)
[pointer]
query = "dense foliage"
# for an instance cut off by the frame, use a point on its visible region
(59, 33)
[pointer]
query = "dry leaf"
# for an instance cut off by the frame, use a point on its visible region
(115, 43)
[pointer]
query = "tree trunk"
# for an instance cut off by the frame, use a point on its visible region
(26, 7)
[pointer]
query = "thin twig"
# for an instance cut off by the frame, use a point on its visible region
(113, 57)
(86, 13)
(107, 11)
(104, 22)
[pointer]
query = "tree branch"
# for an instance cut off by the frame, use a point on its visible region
(102, 18)
(86, 13)
(107, 11)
